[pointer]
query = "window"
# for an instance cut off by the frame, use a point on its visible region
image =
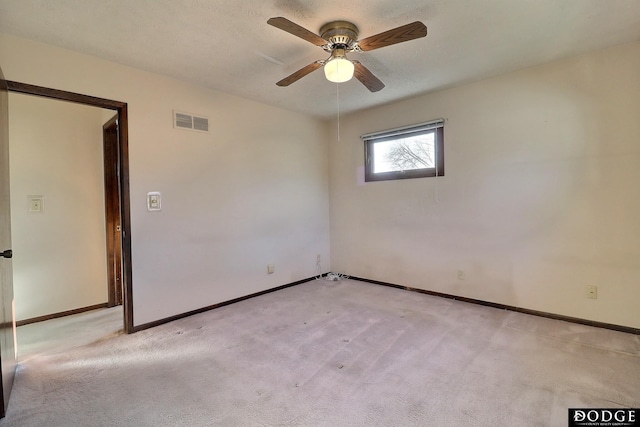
(415, 151)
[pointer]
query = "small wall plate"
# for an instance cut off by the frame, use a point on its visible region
(36, 204)
(154, 201)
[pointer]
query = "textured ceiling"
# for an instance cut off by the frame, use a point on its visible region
(227, 44)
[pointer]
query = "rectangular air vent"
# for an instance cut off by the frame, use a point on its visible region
(188, 121)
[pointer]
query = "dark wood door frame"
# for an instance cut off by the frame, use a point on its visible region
(123, 147)
(112, 211)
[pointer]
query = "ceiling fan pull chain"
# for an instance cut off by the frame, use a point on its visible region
(338, 107)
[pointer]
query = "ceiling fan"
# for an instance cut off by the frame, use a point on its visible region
(339, 38)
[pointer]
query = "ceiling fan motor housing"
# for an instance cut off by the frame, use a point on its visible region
(341, 34)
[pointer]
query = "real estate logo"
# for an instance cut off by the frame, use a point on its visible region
(609, 417)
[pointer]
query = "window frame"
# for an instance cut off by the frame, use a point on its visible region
(437, 128)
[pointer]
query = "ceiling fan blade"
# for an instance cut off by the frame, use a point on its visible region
(290, 27)
(300, 74)
(412, 31)
(366, 77)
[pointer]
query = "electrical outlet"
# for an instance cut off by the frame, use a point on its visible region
(270, 268)
(460, 274)
(592, 292)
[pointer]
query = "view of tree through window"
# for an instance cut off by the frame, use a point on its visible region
(410, 152)
(414, 152)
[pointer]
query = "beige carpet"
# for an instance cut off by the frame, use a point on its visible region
(65, 333)
(333, 354)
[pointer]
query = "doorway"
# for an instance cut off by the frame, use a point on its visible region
(117, 177)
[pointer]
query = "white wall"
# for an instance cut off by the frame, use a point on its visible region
(251, 192)
(541, 195)
(60, 255)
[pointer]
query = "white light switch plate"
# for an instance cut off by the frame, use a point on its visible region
(154, 201)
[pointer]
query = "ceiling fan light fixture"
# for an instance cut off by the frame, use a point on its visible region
(338, 68)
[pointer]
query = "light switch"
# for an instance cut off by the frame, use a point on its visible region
(36, 204)
(154, 201)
